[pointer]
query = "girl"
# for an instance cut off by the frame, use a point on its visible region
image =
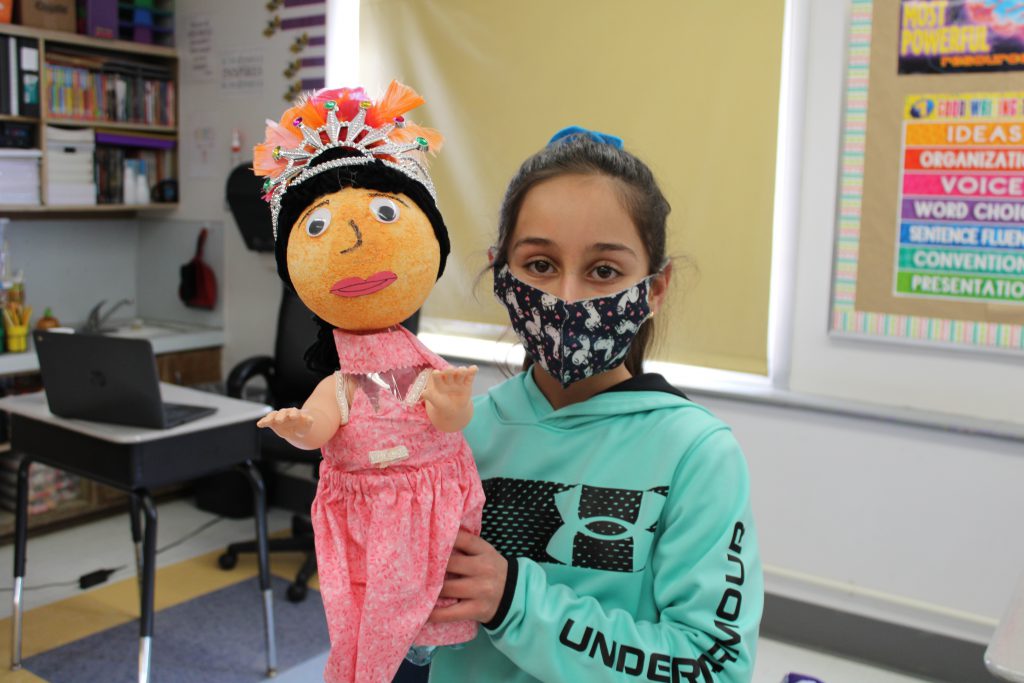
(359, 238)
(617, 539)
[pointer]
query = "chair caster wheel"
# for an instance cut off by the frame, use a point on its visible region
(227, 560)
(296, 592)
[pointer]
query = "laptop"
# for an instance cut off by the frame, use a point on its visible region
(107, 379)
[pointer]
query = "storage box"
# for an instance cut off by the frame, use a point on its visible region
(56, 15)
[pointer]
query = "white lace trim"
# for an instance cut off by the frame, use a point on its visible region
(417, 388)
(341, 391)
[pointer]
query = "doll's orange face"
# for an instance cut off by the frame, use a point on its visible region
(362, 259)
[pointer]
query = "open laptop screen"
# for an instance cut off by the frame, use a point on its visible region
(103, 379)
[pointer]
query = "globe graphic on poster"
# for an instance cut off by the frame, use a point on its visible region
(922, 108)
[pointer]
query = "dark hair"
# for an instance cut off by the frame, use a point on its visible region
(638, 190)
(321, 356)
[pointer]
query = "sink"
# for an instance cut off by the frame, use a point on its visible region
(143, 330)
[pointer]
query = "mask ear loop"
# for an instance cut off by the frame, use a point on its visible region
(665, 263)
(492, 255)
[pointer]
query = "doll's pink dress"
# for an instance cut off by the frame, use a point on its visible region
(393, 493)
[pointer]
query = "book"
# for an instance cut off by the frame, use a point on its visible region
(12, 75)
(28, 77)
(5, 87)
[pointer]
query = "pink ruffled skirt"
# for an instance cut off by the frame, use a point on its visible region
(383, 539)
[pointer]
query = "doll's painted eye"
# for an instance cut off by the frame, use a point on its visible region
(385, 210)
(318, 221)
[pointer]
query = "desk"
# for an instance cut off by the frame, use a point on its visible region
(137, 460)
(1005, 654)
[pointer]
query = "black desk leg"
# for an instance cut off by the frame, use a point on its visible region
(135, 512)
(148, 584)
(259, 499)
(20, 541)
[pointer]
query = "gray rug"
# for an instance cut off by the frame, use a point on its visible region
(217, 637)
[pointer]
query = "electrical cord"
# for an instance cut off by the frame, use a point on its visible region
(97, 577)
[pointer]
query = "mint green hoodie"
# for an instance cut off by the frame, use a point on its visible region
(632, 551)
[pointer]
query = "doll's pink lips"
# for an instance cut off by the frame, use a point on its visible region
(357, 286)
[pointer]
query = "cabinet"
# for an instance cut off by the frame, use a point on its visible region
(113, 101)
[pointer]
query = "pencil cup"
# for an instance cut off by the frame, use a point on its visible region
(17, 338)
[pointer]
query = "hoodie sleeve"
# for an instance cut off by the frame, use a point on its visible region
(707, 586)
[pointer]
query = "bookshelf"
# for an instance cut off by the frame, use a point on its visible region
(124, 91)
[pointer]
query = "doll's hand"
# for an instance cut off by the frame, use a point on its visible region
(476, 578)
(447, 397)
(288, 423)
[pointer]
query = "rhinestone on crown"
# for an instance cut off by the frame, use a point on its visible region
(371, 143)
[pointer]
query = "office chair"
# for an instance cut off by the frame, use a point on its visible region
(289, 383)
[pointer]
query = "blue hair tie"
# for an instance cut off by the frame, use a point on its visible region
(570, 131)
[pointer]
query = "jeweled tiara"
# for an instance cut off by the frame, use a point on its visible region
(343, 118)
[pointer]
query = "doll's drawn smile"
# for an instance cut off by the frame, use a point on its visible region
(357, 286)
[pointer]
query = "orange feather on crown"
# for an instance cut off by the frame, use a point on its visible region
(344, 118)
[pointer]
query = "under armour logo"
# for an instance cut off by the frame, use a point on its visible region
(605, 528)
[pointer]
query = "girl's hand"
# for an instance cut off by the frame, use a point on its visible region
(288, 423)
(476, 578)
(447, 398)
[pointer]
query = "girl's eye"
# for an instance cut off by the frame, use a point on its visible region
(318, 221)
(539, 267)
(385, 210)
(605, 272)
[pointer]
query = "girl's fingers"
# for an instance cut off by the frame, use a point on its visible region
(463, 565)
(460, 589)
(471, 544)
(461, 611)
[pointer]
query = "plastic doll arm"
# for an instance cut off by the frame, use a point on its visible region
(314, 424)
(447, 398)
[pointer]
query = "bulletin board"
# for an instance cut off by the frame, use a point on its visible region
(930, 229)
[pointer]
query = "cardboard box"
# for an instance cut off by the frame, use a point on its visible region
(56, 15)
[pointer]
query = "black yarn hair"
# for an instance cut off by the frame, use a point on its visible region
(322, 357)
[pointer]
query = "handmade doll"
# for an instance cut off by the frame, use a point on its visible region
(359, 237)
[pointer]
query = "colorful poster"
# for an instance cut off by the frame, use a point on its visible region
(958, 36)
(961, 205)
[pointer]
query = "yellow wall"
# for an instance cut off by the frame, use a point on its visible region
(691, 86)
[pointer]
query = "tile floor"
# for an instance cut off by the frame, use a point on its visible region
(62, 556)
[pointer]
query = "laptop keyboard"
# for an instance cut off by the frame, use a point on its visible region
(176, 413)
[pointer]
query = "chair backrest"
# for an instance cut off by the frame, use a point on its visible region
(296, 331)
(252, 215)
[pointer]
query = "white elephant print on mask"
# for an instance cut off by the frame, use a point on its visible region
(631, 296)
(556, 339)
(582, 355)
(593, 320)
(607, 345)
(533, 325)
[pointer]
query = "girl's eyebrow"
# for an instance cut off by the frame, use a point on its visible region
(532, 241)
(610, 246)
(313, 208)
(389, 196)
(600, 247)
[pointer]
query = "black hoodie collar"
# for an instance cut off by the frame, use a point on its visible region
(648, 381)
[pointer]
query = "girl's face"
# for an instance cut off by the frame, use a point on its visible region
(574, 239)
(362, 259)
